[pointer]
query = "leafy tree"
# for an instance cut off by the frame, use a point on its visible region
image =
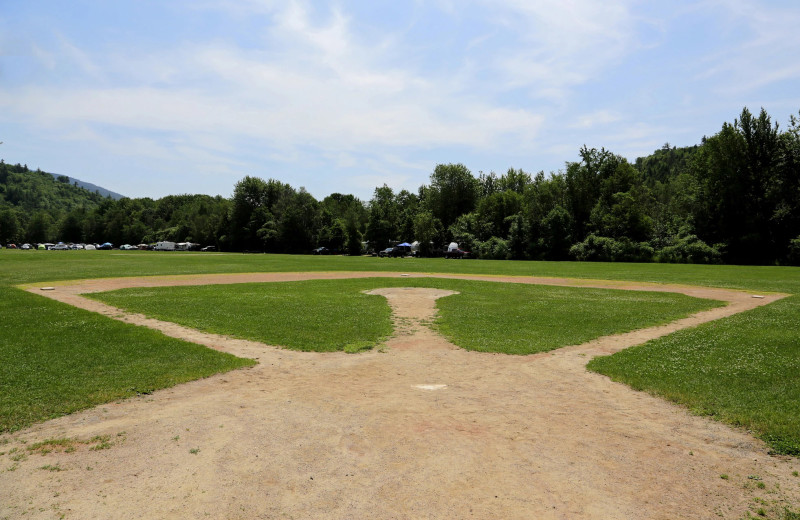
(453, 192)
(71, 227)
(622, 216)
(466, 231)
(352, 230)
(295, 225)
(382, 220)
(427, 230)
(10, 229)
(594, 182)
(40, 228)
(248, 213)
(736, 169)
(514, 180)
(555, 234)
(408, 205)
(493, 211)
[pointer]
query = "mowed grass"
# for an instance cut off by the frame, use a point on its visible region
(57, 359)
(320, 316)
(328, 315)
(774, 326)
(744, 370)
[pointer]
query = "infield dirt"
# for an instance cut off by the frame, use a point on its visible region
(417, 428)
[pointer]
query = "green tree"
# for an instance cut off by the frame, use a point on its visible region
(453, 192)
(296, 223)
(71, 227)
(10, 229)
(555, 238)
(40, 228)
(737, 169)
(352, 229)
(427, 230)
(383, 218)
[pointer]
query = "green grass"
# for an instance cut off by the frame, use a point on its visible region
(319, 316)
(327, 315)
(523, 319)
(775, 325)
(57, 359)
(744, 370)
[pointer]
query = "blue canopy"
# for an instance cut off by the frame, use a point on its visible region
(404, 244)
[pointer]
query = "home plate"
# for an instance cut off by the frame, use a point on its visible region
(430, 387)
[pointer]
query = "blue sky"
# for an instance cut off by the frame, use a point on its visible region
(150, 98)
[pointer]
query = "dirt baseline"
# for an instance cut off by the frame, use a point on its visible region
(417, 429)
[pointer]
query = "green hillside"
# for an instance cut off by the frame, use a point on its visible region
(33, 202)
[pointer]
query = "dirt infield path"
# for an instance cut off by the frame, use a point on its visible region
(416, 429)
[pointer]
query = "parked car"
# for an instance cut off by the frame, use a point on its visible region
(76, 247)
(61, 246)
(396, 251)
(107, 246)
(457, 253)
(321, 251)
(209, 249)
(25, 247)
(127, 247)
(11, 246)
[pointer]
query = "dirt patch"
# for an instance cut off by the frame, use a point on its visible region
(417, 429)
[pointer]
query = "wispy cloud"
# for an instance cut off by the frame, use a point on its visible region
(305, 86)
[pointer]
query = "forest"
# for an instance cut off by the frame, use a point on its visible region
(734, 198)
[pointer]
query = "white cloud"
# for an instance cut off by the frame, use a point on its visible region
(327, 92)
(762, 45)
(597, 118)
(316, 86)
(562, 43)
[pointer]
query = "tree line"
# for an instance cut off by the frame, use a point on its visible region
(734, 198)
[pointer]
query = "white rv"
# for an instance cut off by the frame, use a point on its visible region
(165, 246)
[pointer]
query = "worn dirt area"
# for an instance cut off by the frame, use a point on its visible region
(415, 429)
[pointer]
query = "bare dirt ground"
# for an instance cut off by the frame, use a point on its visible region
(415, 429)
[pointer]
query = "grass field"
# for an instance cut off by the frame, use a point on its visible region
(57, 359)
(757, 389)
(325, 315)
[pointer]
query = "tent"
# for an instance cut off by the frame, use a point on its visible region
(452, 247)
(404, 244)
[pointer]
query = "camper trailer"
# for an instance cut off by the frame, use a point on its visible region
(165, 246)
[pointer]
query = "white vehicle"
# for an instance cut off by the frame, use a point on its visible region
(165, 246)
(89, 247)
(127, 247)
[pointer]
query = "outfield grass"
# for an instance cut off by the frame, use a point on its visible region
(327, 315)
(766, 331)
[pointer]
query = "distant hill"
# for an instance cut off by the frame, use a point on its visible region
(91, 187)
(31, 190)
(666, 163)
